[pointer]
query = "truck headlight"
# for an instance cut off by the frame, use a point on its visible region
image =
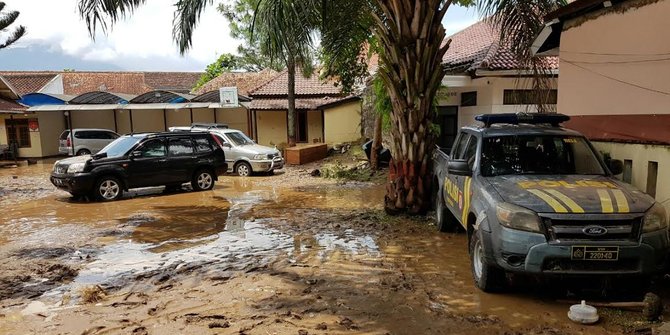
(515, 217)
(655, 219)
(260, 157)
(76, 167)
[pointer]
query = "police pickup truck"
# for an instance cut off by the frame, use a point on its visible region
(536, 198)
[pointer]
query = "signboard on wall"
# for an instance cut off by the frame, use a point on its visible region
(228, 97)
(33, 125)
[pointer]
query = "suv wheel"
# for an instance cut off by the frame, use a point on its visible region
(82, 152)
(444, 220)
(243, 169)
(108, 189)
(488, 278)
(203, 180)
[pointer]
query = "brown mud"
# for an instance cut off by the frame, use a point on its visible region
(283, 254)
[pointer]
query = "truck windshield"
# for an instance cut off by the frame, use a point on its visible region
(238, 138)
(544, 154)
(120, 146)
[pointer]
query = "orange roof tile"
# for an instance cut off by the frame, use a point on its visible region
(244, 81)
(478, 47)
(312, 86)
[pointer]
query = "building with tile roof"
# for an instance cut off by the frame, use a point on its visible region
(615, 64)
(324, 113)
(483, 77)
(244, 81)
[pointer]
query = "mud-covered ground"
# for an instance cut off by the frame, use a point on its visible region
(283, 254)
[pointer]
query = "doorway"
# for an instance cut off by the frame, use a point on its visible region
(447, 120)
(302, 127)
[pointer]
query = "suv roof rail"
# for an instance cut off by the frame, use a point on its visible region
(210, 125)
(554, 119)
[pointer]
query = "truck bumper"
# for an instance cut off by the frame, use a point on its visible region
(77, 184)
(519, 251)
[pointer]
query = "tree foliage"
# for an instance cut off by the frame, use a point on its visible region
(225, 63)
(7, 19)
(240, 14)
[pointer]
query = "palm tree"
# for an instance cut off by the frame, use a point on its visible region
(6, 19)
(284, 30)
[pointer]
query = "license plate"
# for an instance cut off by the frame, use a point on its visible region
(586, 253)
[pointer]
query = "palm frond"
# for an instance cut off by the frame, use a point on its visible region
(7, 19)
(185, 20)
(519, 22)
(105, 13)
(15, 36)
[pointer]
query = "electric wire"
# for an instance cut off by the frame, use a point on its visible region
(618, 80)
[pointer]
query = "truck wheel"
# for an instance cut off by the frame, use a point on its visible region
(203, 180)
(444, 220)
(488, 278)
(243, 169)
(108, 189)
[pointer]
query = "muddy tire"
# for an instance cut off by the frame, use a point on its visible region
(108, 189)
(203, 180)
(82, 152)
(243, 169)
(487, 277)
(444, 220)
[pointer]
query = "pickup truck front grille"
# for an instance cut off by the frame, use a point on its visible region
(614, 229)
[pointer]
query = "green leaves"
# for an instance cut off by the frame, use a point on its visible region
(225, 63)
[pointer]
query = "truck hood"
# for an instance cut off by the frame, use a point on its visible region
(257, 149)
(571, 194)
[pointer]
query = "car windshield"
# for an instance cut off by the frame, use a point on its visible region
(120, 146)
(544, 154)
(238, 138)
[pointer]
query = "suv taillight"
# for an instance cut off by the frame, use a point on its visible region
(68, 144)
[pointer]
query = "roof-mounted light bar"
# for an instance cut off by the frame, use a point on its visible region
(553, 119)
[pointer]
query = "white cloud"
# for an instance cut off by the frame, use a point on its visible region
(144, 39)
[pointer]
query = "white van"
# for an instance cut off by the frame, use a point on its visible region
(86, 141)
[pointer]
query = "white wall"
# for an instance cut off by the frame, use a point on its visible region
(489, 97)
(641, 155)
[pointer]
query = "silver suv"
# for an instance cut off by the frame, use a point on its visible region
(86, 141)
(243, 155)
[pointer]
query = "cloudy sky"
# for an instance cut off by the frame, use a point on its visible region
(57, 39)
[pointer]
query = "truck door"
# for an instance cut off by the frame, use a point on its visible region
(457, 189)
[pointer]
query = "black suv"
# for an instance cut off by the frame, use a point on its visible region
(143, 160)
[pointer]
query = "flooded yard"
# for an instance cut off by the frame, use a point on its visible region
(284, 254)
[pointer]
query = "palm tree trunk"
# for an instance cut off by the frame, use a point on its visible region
(376, 142)
(290, 64)
(411, 36)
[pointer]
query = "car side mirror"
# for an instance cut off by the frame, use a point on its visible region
(136, 154)
(226, 145)
(459, 167)
(615, 166)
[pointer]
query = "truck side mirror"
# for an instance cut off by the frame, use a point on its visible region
(136, 154)
(616, 166)
(459, 167)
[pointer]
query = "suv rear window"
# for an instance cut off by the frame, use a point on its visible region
(202, 144)
(64, 135)
(180, 146)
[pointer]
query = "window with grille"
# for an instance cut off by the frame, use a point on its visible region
(18, 132)
(530, 97)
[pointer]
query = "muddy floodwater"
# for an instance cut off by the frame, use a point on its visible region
(258, 255)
